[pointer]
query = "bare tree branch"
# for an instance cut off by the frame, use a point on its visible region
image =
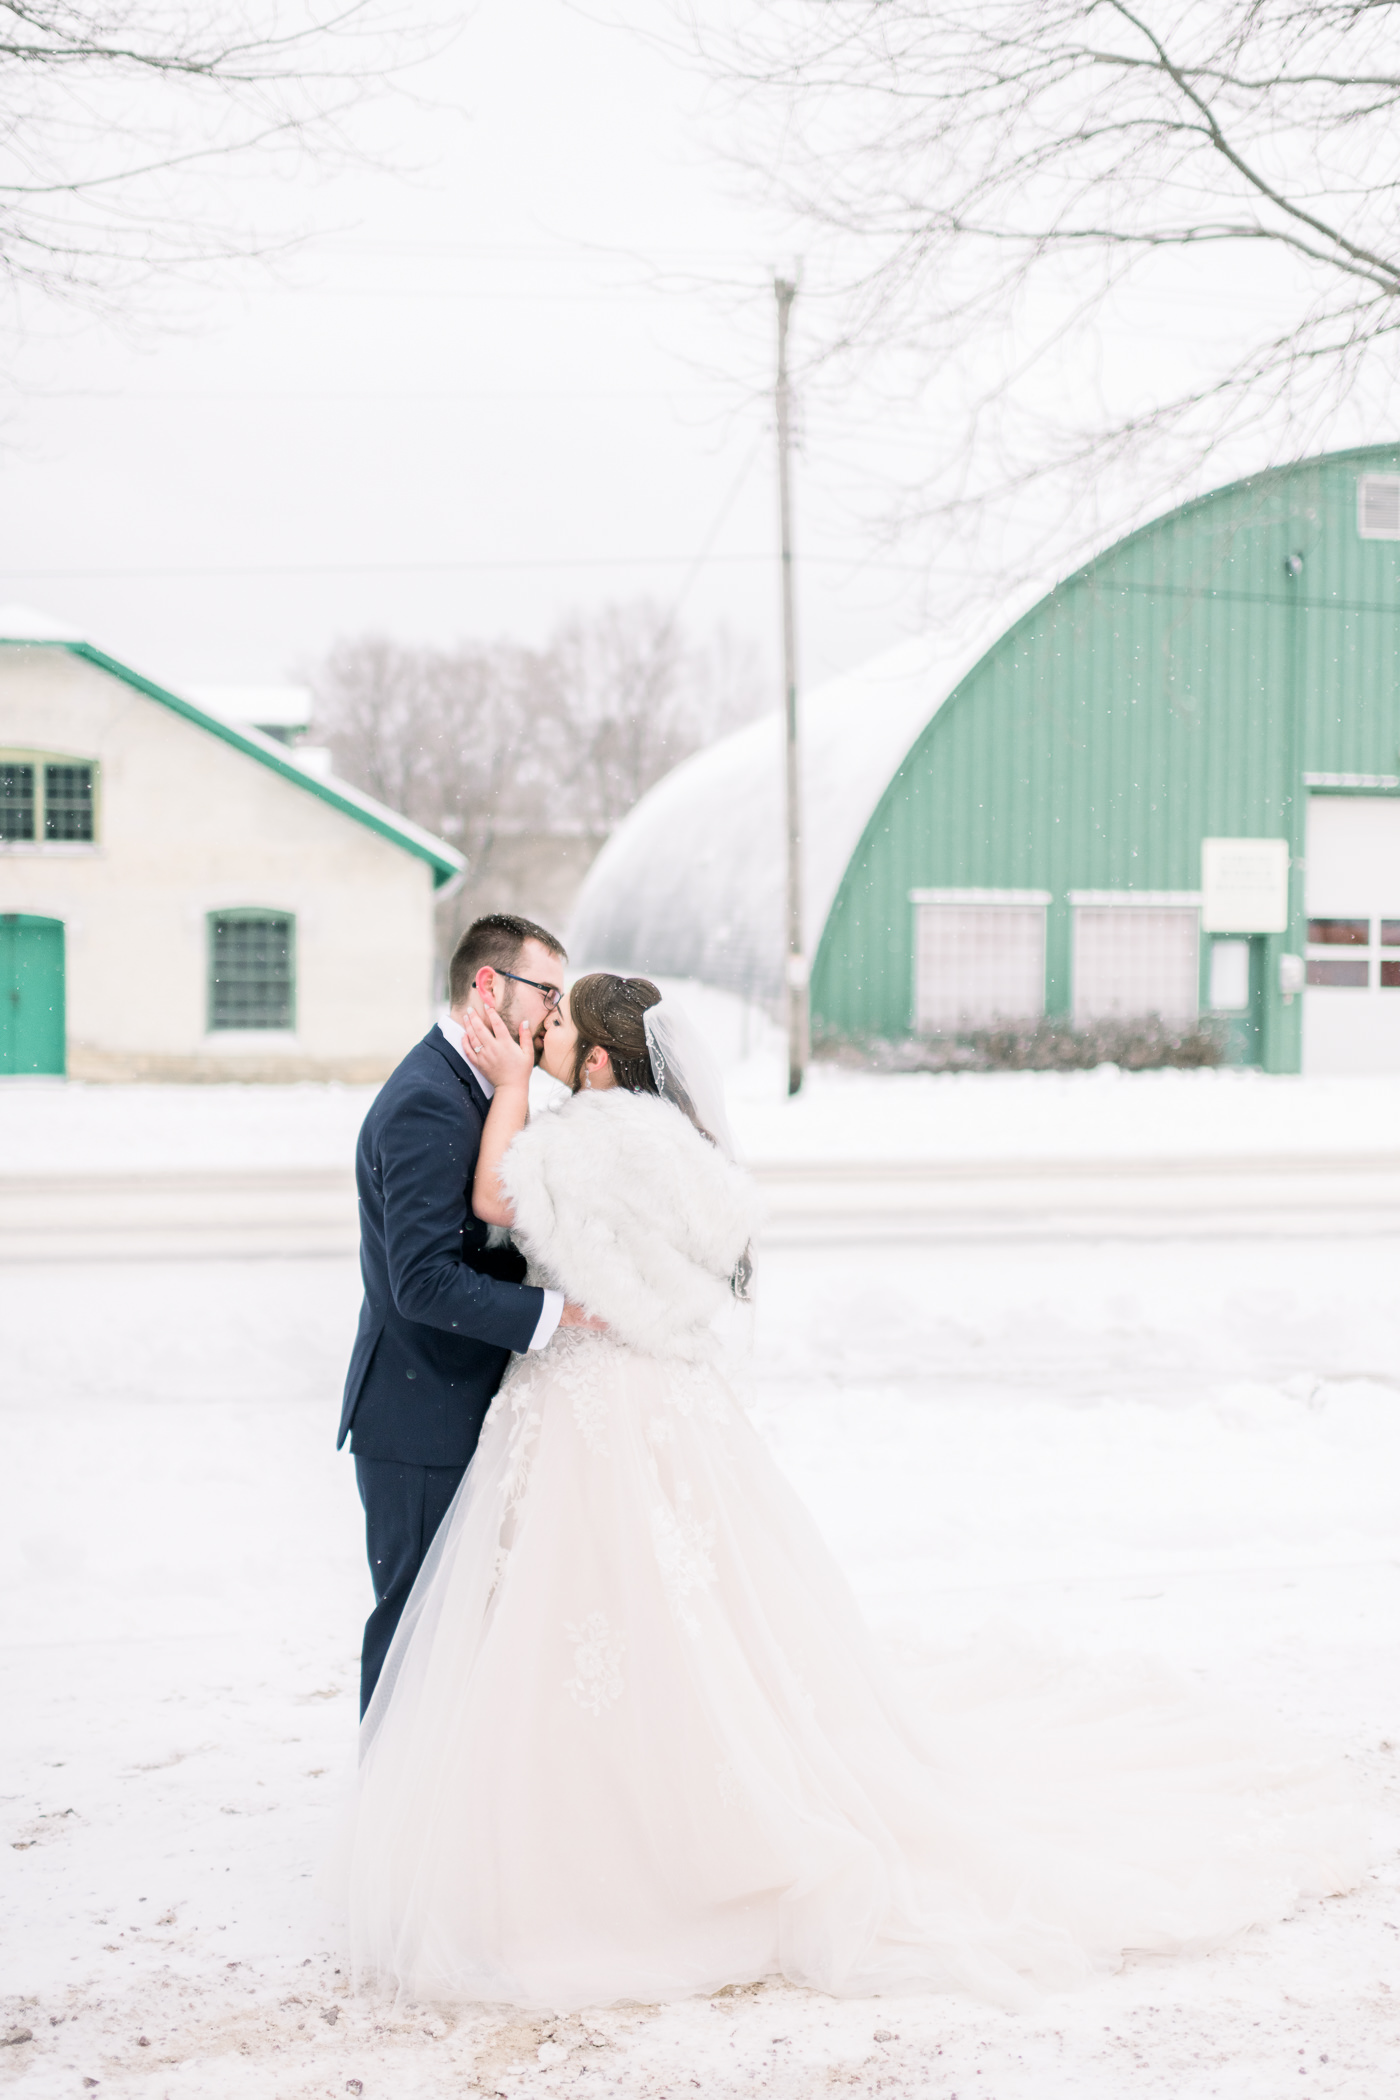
(984, 181)
(492, 737)
(119, 119)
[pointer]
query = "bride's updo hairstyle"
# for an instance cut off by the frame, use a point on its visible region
(607, 1012)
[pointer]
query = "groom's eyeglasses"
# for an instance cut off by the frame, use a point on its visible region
(551, 992)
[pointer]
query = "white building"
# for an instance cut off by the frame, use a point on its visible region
(182, 896)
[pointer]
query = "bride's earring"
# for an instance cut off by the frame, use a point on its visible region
(587, 1077)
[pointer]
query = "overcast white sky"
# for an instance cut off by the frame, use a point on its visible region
(529, 377)
(509, 385)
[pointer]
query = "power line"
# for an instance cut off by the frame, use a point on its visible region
(446, 568)
(392, 568)
(94, 393)
(703, 558)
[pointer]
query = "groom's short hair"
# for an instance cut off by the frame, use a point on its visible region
(494, 943)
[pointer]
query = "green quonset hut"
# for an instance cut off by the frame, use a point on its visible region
(1172, 787)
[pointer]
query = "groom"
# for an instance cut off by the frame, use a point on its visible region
(442, 1311)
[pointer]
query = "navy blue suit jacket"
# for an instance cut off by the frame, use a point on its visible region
(442, 1310)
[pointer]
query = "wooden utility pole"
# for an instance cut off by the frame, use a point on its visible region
(795, 975)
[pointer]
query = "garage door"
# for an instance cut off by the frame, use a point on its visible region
(1351, 1008)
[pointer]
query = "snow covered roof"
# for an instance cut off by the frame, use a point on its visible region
(20, 626)
(691, 883)
(267, 706)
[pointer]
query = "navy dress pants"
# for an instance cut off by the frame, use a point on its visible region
(403, 1507)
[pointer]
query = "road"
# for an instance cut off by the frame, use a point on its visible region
(219, 1213)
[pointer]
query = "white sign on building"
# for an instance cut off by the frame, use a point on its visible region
(1244, 885)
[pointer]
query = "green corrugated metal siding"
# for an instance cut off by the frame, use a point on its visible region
(1145, 704)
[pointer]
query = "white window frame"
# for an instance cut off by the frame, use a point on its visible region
(1373, 954)
(1157, 900)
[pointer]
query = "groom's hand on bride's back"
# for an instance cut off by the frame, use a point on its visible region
(575, 1316)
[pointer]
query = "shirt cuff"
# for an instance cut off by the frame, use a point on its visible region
(551, 1312)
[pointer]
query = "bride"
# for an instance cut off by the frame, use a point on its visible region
(633, 1740)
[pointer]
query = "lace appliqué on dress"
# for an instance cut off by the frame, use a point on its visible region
(684, 1555)
(524, 1433)
(583, 1382)
(576, 1360)
(691, 1386)
(590, 1414)
(597, 1682)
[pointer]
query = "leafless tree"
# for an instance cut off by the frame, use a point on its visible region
(120, 120)
(981, 176)
(491, 737)
(440, 735)
(623, 697)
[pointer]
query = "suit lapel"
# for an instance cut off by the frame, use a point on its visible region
(436, 1040)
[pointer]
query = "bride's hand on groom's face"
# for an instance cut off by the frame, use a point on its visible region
(505, 1059)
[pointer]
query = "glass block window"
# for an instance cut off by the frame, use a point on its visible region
(67, 802)
(978, 963)
(16, 800)
(1132, 960)
(1378, 506)
(252, 969)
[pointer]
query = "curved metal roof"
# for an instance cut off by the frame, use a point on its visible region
(691, 882)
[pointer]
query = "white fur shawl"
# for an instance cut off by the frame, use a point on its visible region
(622, 1204)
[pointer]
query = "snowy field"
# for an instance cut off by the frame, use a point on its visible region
(1189, 1452)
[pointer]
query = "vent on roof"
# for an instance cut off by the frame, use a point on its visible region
(1378, 506)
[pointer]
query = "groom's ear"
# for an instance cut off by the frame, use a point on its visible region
(484, 985)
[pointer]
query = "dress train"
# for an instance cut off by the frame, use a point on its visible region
(634, 1742)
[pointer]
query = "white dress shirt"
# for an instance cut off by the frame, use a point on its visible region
(553, 1307)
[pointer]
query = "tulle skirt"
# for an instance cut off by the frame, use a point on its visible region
(634, 1741)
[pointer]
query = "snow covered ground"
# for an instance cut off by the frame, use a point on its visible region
(47, 1125)
(1190, 1452)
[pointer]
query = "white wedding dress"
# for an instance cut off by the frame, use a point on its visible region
(633, 1740)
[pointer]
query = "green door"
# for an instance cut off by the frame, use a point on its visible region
(32, 1034)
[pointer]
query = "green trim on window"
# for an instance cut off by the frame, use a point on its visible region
(252, 976)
